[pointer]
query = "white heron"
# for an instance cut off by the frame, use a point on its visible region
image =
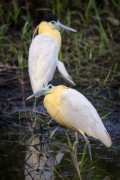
(43, 53)
(73, 110)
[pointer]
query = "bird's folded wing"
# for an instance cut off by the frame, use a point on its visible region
(42, 61)
(80, 114)
(64, 72)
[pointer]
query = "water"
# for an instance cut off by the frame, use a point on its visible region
(20, 149)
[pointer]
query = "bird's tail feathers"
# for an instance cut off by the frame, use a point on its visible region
(107, 141)
(64, 73)
(104, 136)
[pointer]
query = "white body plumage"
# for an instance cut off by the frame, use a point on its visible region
(82, 116)
(74, 111)
(42, 62)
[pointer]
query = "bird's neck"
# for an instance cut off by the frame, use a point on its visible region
(44, 28)
(53, 102)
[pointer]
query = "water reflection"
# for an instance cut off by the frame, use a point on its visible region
(40, 161)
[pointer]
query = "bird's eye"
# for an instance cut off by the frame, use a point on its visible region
(50, 86)
(53, 22)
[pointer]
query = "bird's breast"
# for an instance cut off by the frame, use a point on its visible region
(55, 35)
(51, 104)
(54, 108)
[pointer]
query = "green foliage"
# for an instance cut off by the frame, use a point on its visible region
(95, 45)
(14, 12)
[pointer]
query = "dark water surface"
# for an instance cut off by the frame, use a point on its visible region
(19, 148)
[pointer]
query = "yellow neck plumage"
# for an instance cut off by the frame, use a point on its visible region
(52, 100)
(48, 29)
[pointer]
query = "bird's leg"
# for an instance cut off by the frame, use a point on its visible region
(35, 120)
(88, 143)
(76, 134)
(34, 111)
(74, 148)
(76, 145)
(35, 102)
(74, 157)
(34, 107)
(89, 148)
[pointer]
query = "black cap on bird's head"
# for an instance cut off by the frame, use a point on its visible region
(50, 17)
(54, 82)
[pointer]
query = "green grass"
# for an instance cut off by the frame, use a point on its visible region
(94, 46)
